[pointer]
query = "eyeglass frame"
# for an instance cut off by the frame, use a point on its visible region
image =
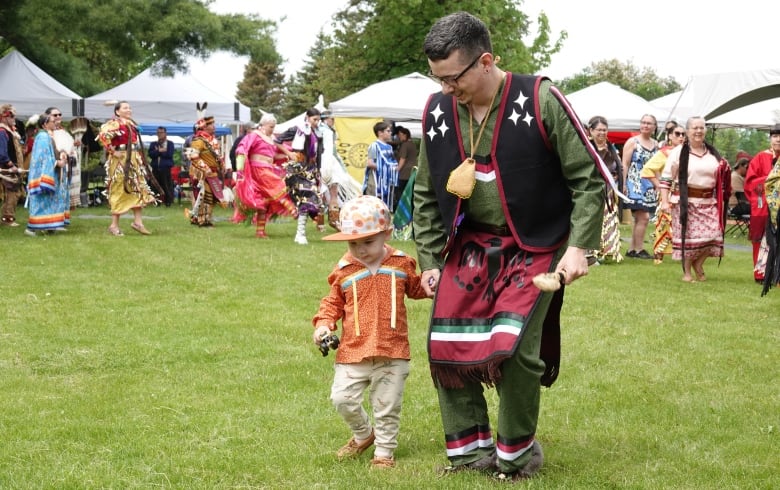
(678, 133)
(450, 80)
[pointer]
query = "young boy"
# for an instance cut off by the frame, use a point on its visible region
(367, 289)
(381, 175)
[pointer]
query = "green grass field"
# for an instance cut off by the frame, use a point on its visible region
(184, 360)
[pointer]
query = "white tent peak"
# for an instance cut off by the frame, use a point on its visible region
(30, 89)
(397, 99)
(171, 99)
(621, 108)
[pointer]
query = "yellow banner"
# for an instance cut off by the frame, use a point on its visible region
(355, 135)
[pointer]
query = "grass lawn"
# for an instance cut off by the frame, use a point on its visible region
(184, 360)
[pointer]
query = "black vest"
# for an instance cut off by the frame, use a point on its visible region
(536, 201)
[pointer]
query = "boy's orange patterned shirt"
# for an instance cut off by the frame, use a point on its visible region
(371, 307)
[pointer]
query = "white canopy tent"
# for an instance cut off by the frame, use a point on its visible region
(170, 99)
(399, 99)
(31, 90)
(761, 115)
(677, 106)
(621, 108)
(713, 96)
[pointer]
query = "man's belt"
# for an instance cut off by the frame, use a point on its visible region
(124, 147)
(486, 228)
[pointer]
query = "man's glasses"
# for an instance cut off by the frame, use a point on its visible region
(453, 80)
(679, 133)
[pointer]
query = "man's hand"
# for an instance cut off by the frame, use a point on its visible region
(573, 264)
(430, 281)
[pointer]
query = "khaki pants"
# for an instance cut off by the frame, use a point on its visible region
(385, 379)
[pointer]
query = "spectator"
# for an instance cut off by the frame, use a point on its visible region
(381, 177)
(738, 203)
(407, 160)
(644, 199)
(161, 155)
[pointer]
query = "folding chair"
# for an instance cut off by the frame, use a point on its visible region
(739, 223)
(184, 184)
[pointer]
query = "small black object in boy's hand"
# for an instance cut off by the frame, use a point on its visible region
(329, 342)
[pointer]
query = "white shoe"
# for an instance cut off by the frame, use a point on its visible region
(29, 232)
(301, 240)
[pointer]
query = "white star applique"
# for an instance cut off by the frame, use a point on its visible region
(436, 113)
(528, 118)
(443, 127)
(431, 133)
(520, 100)
(514, 116)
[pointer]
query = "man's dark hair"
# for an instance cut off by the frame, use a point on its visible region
(459, 31)
(380, 126)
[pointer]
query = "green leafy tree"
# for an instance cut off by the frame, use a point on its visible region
(375, 40)
(730, 141)
(262, 88)
(92, 45)
(643, 82)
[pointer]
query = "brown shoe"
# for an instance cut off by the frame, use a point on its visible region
(352, 449)
(383, 463)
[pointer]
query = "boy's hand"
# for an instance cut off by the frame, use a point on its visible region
(319, 333)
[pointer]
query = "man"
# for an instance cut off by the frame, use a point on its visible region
(755, 177)
(381, 175)
(206, 166)
(11, 156)
(738, 203)
(161, 155)
(529, 204)
(407, 160)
